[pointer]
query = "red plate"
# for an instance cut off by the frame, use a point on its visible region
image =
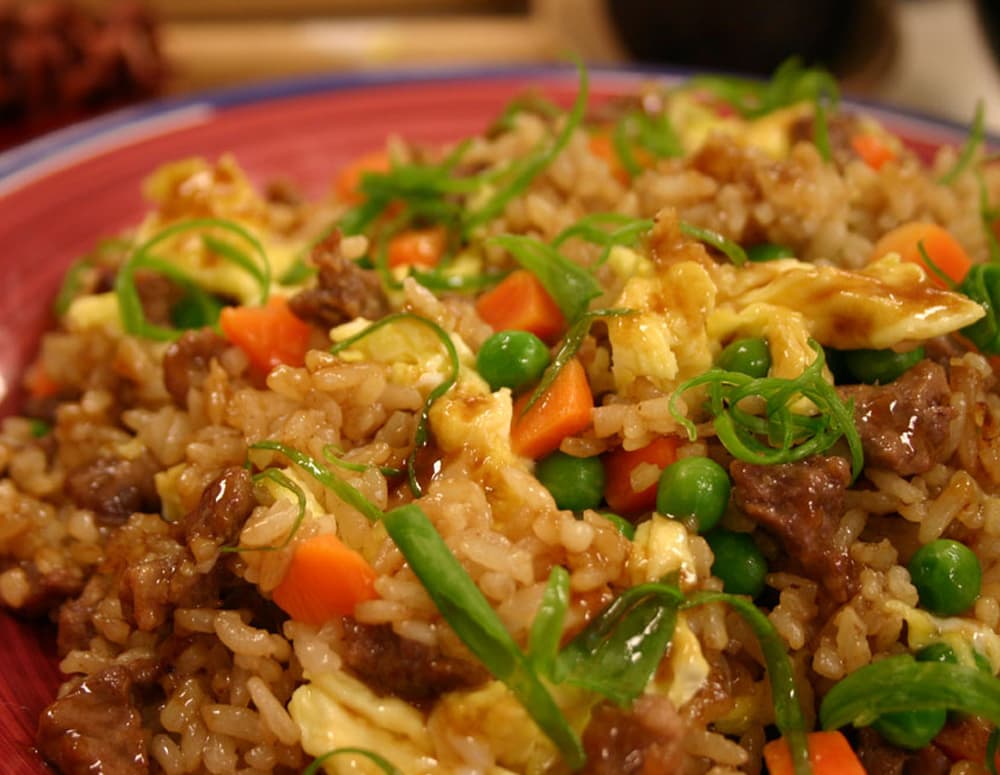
(60, 194)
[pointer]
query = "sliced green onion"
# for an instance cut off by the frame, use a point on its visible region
(282, 479)
(568, 349)
(618, 651)
(130, 304)
(297, 273)
(346, 492)
(789, 436)
(71, 284)
(991, 751)
(421, 436)
(821, 130)
(570, 285)
(39, 428)
(982, 285)
(900, 683)
(724, 245)
(523, 173)
(932, 265)
(522, 103)
(547, 626)
(475, 622)
(787, 705)
(977, 133)
(607, 230)
(379, 761)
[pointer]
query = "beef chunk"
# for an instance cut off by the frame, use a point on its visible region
(115, 487)
(390, 664)
(224, 507)
(904, 424)
(343, 292)
(881, 758)
(159, 295)
(802, 504)
(186, 361)
(95, 727)
(646, 739)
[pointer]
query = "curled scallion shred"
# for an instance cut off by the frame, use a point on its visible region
(724, 245)
(130, 304)
(791, 83)
(651, 133)
(606, 230)
(421, 436)
(377, 759)
(282, 479)
(787, 436)
(330, 455)
(977, 133)
(346, 492)
(523, 172)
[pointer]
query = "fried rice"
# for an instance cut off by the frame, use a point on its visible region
(178, 456)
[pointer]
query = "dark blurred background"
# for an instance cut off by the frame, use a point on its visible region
(62, 60)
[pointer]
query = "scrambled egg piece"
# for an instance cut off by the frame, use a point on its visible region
(193, 188)
(694, 121)
(666, 340)
(885, 304)
(962, 635)
(688, 667)
(660, 547)
(334, 710)
(476, 421)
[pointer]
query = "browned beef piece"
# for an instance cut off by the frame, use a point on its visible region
(343, 292)
(164, 578)
(390, 664)
(48, 588)
(158, 295)
(186, 361)
(224, 507)
(802, 504)
(841, 128)
(95, 728)
(115, 487)
(76, 624)
(904, 424)
(965, 738)
(646, 739)
(881, 758)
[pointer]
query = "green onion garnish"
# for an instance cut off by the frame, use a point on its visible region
(547, 627)
(606, 230)
(788, 436)
(901, 683)
(724, 245)
(198, 303)
(977, 133)
(379, 761)
(475, 622)
(282, 479)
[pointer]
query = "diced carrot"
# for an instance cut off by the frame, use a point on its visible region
(619, 465)
(417, 247)
(325, 578)
(521, 302)
(562, 410)
(601, 146)
(269, 335)
(872, 149)
(829, 754)
(944, 250)
(347, 185)
(39, 382)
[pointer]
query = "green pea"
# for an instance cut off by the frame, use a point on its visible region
(880, 366)
(576, 483)
(513, 359)
(738, 562)
(769, 251)
(624, 527)
(947, 576)
(912, 729)
(749, 356)
(694, 489)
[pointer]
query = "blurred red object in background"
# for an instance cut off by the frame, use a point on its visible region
(60, 63)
